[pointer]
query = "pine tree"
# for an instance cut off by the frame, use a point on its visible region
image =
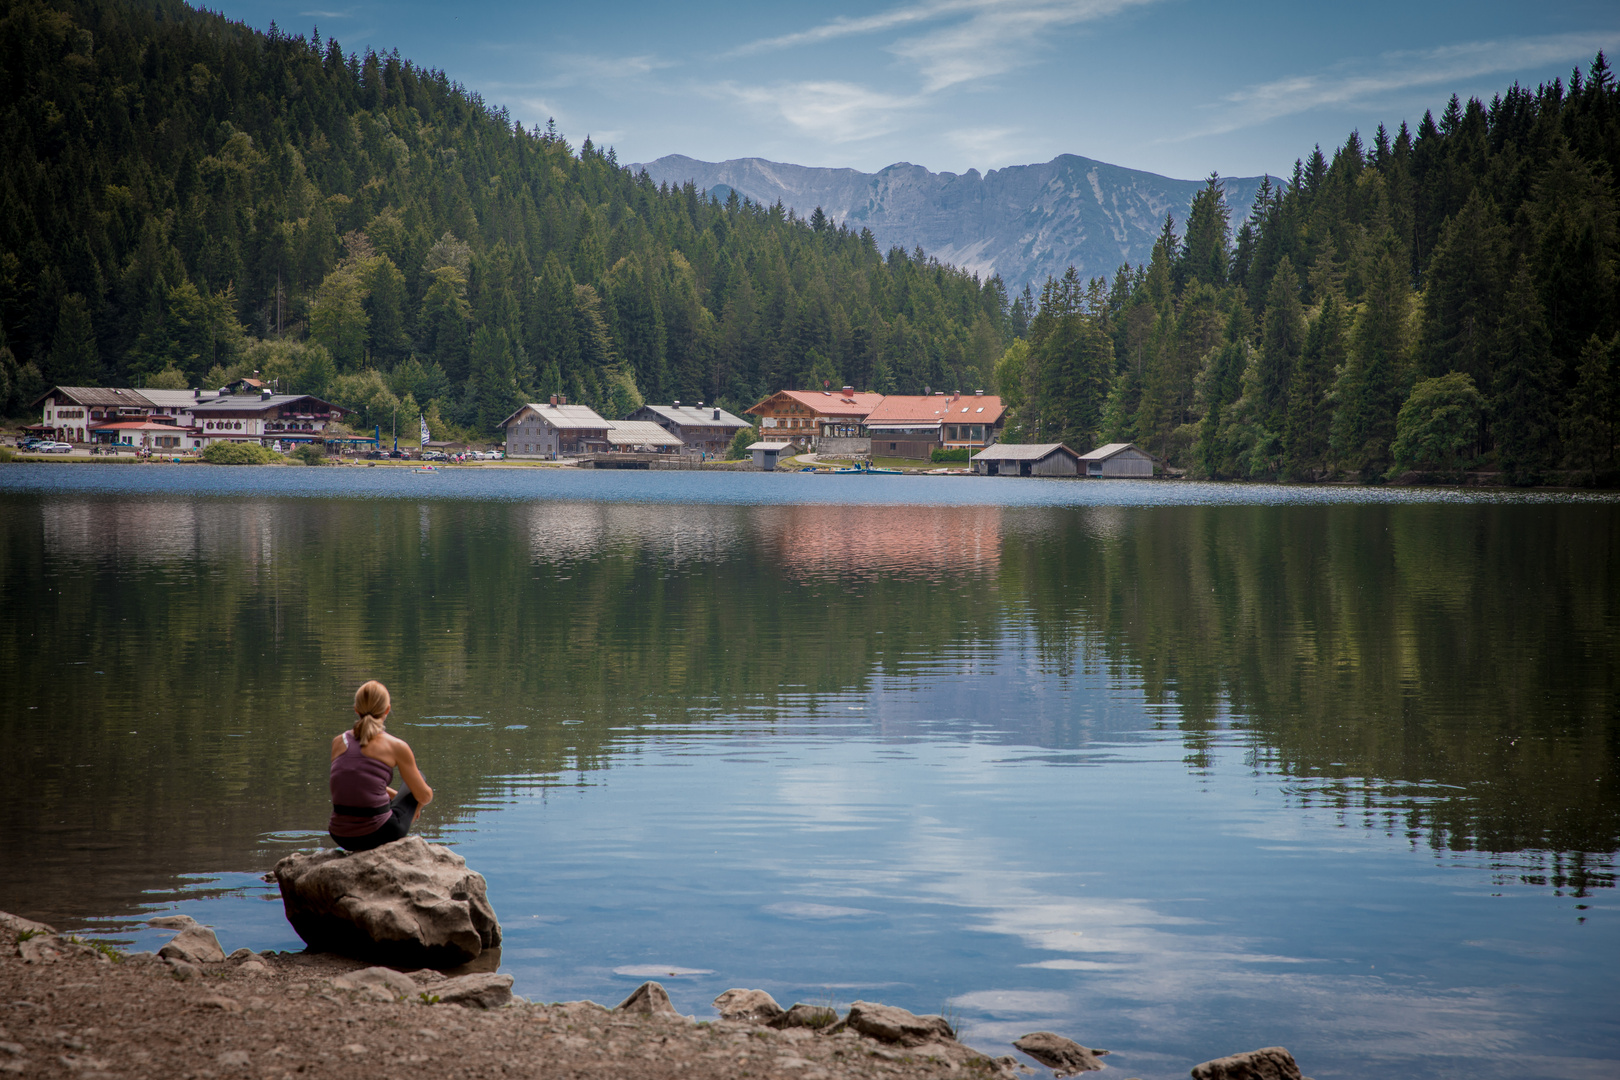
(1282, 340)
(1305, 443)
(74, 359)
(1369, 387)
(1524, 405)
(1464, 295)
(1591, 420)
(1204, 254)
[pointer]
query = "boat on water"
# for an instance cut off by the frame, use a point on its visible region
(865, 468)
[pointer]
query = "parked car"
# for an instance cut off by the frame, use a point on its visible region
(435, 455)
(374, 455)
(54, 448)
(400, 455)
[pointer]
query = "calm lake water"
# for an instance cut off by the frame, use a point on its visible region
(1174, 769)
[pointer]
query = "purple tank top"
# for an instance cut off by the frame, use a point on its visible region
(358, 781)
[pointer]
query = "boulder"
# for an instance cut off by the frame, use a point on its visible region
(1064, 1057)
(173, 922)
(194, 945)
(485, 991)
(406, 904)
(815, 1017)
(649, 998)
(886, 1023)
(1267, 1063)
(377, 984)
(747, 1005)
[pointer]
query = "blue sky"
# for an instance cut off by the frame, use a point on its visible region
(1172, 86)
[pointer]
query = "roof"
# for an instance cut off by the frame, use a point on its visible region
(916, 410)
(776, 447)
(696, 417)
(1103, 453)
(564, 417)
(177, 399)
(640, 433)
(97, 395)
(140, 425)
(827, 402)
(1021, 451)
(257, 403)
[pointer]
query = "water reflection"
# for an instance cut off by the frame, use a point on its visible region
(1442, 673)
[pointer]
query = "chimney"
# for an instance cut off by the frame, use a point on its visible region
(677, 403)
(978, 393)
(564, 398)
(717, 414)
(553, 401)
(849, 391)
(264, 395)
(196, 392)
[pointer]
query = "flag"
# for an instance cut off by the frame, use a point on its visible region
(424, 431)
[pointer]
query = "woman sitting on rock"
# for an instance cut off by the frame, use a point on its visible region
(366, 812)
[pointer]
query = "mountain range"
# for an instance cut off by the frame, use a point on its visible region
(1024, 222)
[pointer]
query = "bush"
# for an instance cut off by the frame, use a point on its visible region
(740, 443)
(225, 453)
(1438, 424)
(941, 454)
(6, 454)
(309, 454)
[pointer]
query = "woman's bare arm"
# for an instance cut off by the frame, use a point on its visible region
(405, 761)
(337, 747)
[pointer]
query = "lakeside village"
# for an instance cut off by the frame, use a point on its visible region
(839, 430)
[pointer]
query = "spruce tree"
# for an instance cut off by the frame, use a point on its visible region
(1369, 387)
(74, 358)
(1305, 442)
(1282, 340)
(1524, 405)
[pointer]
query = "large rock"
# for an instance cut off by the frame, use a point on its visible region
(649, 998)
(1267, 1063)
(194, 945)
(1064, 1057)
(886, 1023)
(406, 904)
(739, 1004)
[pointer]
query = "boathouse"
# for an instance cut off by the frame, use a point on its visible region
(1027, 459)
(1117, 460)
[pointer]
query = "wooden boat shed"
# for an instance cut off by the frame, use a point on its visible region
(1120, 459)
(1027, 459)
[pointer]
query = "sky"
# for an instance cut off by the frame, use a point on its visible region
(1176, 87)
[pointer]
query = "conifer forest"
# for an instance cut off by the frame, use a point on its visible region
(185, 200)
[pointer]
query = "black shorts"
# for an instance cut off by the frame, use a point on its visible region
(401, 813)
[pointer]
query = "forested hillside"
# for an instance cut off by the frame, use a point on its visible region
(1433, 302)
(184, 199)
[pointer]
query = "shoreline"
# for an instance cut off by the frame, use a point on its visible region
(1470, 481)
(83, 1009)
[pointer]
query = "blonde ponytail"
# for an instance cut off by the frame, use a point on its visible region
(371, 705)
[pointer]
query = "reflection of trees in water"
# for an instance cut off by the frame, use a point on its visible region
(1443, 670)
(1462, 659)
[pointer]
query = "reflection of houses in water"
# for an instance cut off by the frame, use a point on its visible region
(560, 531)
(160, 530)
(888, 541)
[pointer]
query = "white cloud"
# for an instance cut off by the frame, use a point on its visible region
(836, 112)
(982, 38)
(989, 146)
(1354, 82)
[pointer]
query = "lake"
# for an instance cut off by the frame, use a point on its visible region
(1174, 769)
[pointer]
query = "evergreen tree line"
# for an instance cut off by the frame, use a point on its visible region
(1434, 302)
(184, 200)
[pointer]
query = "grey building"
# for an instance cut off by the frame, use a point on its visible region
(1120, 459)
(555, 428)
(709, 430)
(1029, 459)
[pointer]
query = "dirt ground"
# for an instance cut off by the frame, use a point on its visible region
(85, 1015)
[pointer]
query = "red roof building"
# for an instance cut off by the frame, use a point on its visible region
(806, 415)
(913, 426)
